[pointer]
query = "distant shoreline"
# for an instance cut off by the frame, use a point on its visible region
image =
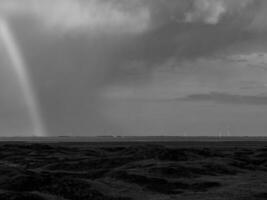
(133, 139)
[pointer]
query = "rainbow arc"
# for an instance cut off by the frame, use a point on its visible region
(20, 69)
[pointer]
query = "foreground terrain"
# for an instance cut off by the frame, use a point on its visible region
(133, 171)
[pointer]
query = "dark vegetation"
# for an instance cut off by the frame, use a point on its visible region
(125, 171)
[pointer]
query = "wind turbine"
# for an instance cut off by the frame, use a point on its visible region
(228, 133)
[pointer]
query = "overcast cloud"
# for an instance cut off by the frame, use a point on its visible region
(84, 55)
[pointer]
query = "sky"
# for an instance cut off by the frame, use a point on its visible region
(136, 67)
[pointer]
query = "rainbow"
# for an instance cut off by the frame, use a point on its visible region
(20, 69)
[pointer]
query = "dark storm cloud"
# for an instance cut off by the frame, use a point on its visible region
(75, 48)
(183, 29)
(225, 98)
(208, 32)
